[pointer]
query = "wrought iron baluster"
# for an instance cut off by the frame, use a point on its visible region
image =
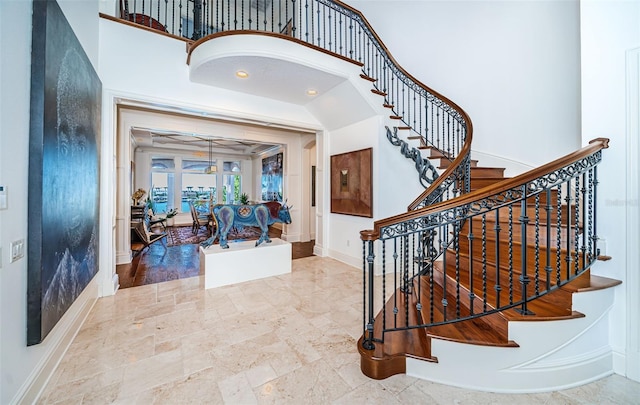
(294, 26)
(173, 17)
(595, 212)
(405, 281)
(567, 243)
(591, 241)
(444, 231)
(306, 20)
(422, 262)
(510, 222)
(395, 280)
(157, 13)
(559, 234)
(549, 210)
(576, 233)
(484, 262)
(197, 19)
(471, 237)
(497, 287)
(536, 253)
(384, 286)
(524, 277)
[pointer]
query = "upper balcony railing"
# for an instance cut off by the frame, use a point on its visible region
(336, 28)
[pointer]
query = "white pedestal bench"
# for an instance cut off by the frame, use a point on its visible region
(243, 261)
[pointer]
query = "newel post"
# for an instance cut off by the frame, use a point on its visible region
(368, 256)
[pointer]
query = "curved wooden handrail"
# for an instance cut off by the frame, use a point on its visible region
(401, 69)
(142, 27)
(192, 46)
(466, 150)
(360, 20)
(504, 185)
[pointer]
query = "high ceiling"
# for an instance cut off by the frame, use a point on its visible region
(267, 77)
(175, 141)
(275, 69)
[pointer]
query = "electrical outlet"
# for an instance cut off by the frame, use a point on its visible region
(17, 250)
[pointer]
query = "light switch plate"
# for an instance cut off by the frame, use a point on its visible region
(17, 250)
(3, 197)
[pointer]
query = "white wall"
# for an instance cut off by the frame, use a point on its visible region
(21, 365)
(513, 66)
(343, 237)
(610, 38)
(395, 185)
(158, 72)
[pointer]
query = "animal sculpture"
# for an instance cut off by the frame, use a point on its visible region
(227, 216)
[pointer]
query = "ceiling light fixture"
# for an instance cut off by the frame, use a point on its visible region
(312, 92)
(211, 168)
(242, 74)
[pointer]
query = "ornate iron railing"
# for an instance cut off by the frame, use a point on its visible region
(496, 248)
(470, 254)
(341, 30)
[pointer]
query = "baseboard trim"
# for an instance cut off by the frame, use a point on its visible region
(318, 251)
(59, 340)
(123, 257)
(346, 259)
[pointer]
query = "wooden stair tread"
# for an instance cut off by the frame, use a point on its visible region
(591, 283)
(368, 78)
(554, 305)
(503, 215)
(491, 267)
(487, 172)
(471, 331)
(445, 163)
(378, 92)
(389, 357)
(490, 330)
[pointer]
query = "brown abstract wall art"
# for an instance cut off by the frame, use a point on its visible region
(351, 183)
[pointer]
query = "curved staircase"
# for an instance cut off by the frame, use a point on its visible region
(485, 281)
(556, 341)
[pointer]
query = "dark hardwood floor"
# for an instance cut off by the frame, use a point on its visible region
(159, 262)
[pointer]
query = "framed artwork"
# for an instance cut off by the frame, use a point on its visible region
(64, 166)
(351, 185)
(272, 178)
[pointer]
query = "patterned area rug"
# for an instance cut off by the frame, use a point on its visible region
(182, 235)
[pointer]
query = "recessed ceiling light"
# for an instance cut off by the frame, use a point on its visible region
(242, 74)
(312, 92)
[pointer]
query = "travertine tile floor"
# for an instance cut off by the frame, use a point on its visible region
(288, 339)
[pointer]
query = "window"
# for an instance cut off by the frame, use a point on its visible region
(162, 184)
(197, 187)
(231, 182)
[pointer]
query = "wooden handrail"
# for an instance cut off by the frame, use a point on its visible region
(466, 150)
(480, 194)
(193, 45)
(142, 27)
(409, 76)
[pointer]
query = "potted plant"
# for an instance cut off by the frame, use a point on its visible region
(169, 216)
(244, 199)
